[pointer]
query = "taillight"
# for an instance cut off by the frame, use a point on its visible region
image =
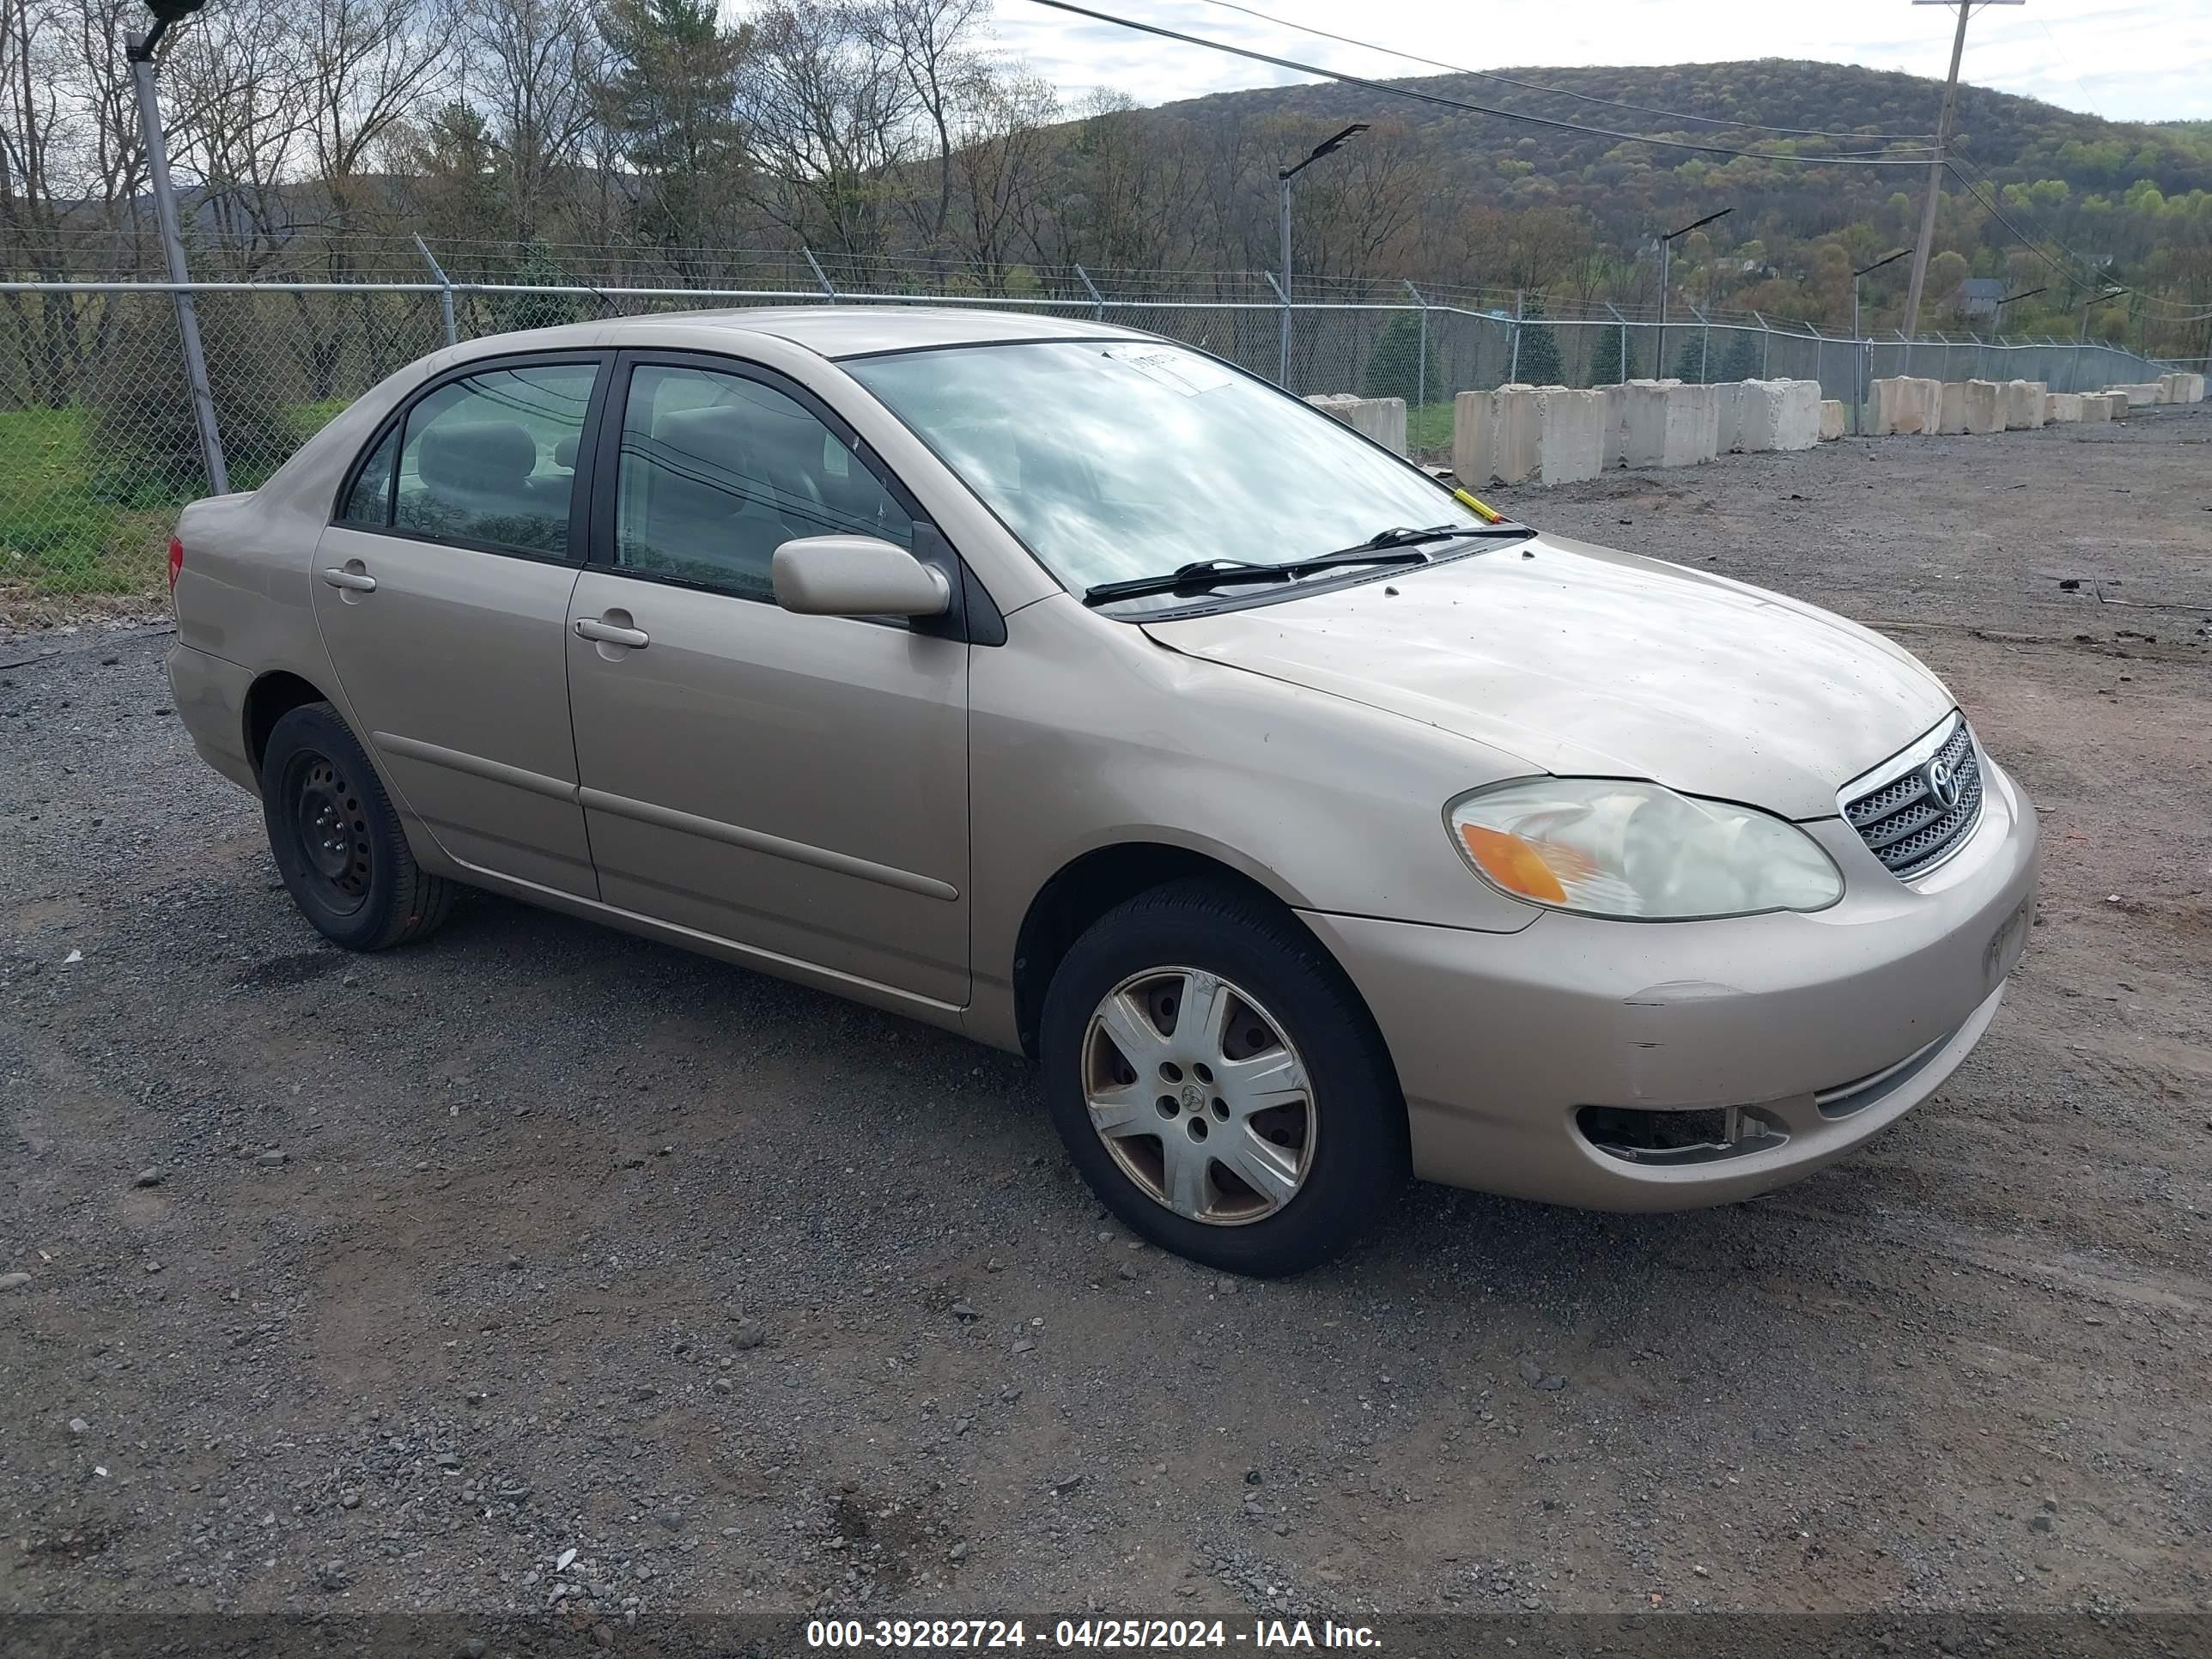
(176, 561)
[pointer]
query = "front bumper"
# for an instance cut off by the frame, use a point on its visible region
(1806, 1021)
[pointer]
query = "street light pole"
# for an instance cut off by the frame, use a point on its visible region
(1283, 177)
(1666, 247)
(2088, 303)
(1863, 350)
(140, 49)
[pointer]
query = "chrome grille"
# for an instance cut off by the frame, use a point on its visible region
(1904, 821)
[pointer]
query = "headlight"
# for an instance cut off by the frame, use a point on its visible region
(1607, 847)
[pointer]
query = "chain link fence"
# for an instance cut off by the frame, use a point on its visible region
(99, 447)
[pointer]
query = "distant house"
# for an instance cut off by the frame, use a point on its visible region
(1977, 296)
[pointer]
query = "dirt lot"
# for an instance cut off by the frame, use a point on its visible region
(540, 1239)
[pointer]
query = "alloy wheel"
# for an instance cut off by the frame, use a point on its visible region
(1199, 1096)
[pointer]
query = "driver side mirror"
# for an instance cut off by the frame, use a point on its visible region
(856, 576)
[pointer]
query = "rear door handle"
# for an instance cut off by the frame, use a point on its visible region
(359, 581)
(607, 633)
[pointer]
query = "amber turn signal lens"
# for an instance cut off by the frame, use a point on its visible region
(1512, 863)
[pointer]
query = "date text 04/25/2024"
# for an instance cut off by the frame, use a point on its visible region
(1125, 1635)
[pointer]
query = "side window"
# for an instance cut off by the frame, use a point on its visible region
(492, 459)
(368, 504)
(718, 472)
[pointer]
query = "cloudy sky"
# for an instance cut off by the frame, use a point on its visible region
(2124, 59)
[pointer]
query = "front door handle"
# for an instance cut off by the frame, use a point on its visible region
(609, 633)
(356, 580)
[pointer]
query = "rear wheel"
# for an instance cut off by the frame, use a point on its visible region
(1218, 1082)
(337, 839)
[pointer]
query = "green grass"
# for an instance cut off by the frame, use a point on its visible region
(1429, 431)
(70, 527)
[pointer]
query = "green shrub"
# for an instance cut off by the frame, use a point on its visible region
(142, 437)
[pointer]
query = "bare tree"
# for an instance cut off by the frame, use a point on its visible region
(932, 42)
(1002, 151)
(532, 68)
(238, 117)
(366, 64)
(830, 117)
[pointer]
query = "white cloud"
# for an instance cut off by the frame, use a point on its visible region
(2124, 59)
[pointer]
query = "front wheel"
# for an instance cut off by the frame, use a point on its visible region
(336, 839)
(1218, 1082)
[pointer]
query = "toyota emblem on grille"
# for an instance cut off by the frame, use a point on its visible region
(1943, 783)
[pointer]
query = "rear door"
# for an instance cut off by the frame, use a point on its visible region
(795, 784)
(442, 587)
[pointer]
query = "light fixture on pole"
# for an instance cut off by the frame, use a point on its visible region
(1936, 164)
(1283, 177)
(1666, 249)
(1997, 312)
(2093, 300)
(1862, 349)
(140, 48)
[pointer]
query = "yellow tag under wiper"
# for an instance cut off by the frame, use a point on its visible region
(1487, 514)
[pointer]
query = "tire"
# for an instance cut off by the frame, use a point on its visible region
(337, 839)
(1327, 1165)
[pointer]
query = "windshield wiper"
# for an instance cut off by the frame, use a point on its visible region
(1216, 572)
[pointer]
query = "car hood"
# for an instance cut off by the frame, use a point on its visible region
(1581, 660)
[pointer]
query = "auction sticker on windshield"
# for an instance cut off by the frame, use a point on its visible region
(1183, 372)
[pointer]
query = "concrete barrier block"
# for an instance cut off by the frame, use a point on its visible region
(1759, 416)
(1797, 415)
(1833, 418)
(1778, 415)
(2095, 406)
(1985, 407)
(2061, 408)
(1571, 434)
(1952, 417)
(2140, 395)
(1643, 424)
(1615, 401)
(1475, 437)
(1520, 432)
(1706, 435)
(1730, 396)
(2023, 405)
(1383, 419)
(1673, 425)
(2192, 388)
(1901, 406)
(2167, 388)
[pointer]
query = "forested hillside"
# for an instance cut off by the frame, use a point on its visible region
(625, 139)
(2133, 202)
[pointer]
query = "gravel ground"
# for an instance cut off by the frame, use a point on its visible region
(541, 1261)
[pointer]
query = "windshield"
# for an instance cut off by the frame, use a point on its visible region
(1121, 458)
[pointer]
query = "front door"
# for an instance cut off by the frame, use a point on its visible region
(442, 592)
(797, 785)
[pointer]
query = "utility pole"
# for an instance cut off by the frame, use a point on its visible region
(140, 49)
(1283, 177)
(1936, 168)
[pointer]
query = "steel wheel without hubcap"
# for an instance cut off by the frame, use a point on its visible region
(332, 828)
(1199, 1096)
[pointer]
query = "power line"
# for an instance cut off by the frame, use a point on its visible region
(1866, 160)
(1559, 92)
(2088, 273)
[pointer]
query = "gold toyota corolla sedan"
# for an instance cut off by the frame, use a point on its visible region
(1067, 687)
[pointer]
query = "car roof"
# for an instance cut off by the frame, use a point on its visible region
(849, 330)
